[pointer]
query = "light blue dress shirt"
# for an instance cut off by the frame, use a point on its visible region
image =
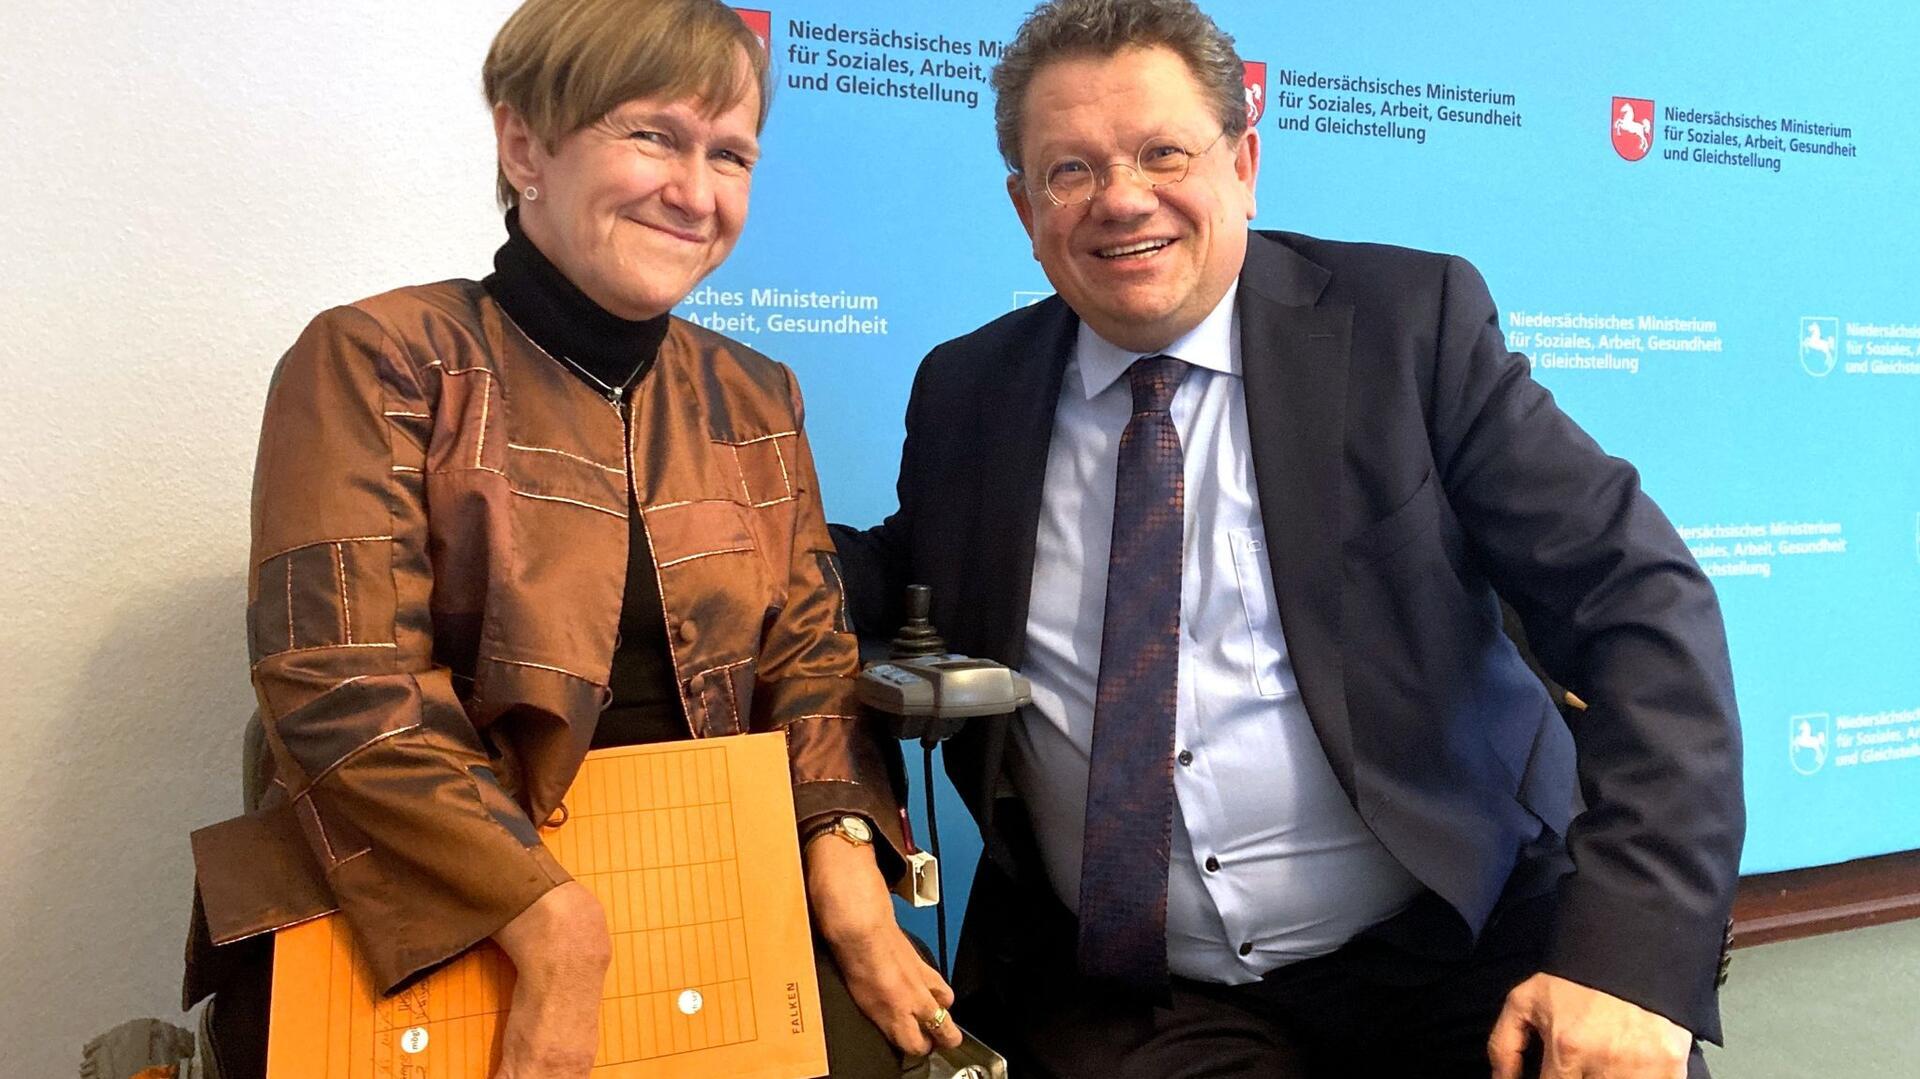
(1270, 862)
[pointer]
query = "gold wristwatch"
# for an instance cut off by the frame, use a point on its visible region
(853, 829)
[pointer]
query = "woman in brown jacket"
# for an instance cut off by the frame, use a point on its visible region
(499, 523)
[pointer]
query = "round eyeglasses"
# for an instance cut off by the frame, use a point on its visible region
(1071, 181)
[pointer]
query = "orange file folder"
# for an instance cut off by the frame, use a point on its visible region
(690, 847)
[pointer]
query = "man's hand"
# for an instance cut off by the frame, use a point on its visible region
(560, 951)
(1585, 1034)
(888, 979)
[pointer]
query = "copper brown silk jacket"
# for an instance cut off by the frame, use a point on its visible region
(440, 527)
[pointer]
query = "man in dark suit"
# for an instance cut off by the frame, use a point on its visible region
(1244, 505)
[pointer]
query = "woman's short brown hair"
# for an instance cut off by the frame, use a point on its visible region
(564, 64)
(1068, 29)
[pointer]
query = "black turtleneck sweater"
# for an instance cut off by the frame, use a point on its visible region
(611, 356)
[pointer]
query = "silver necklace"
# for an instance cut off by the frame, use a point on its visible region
(614, 394)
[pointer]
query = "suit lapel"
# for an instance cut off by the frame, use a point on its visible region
(1017, 399)
(1294, 352)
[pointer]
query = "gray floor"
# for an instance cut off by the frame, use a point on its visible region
(1842, 1006)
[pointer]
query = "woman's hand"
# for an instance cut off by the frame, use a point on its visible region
(853, 911)
(560, 950)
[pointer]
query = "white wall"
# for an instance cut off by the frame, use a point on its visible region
(185, 183)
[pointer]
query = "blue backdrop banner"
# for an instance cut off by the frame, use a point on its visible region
(1700, 220)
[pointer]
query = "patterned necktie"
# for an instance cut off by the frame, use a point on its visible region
(1123, 869)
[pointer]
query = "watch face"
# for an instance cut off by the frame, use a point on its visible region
(856, 829)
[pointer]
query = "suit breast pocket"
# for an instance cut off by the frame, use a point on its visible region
(1272, 674)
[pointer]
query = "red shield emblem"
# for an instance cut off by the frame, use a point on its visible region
(1632, 127)
(761, 23)
(1256, 81)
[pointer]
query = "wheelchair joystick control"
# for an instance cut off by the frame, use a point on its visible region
(917, 637)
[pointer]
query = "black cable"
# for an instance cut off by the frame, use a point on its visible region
(933, 836)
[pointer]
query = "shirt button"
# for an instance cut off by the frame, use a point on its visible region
(1246, 949)
(685, 631)
(1185, 758)
(1213, 864)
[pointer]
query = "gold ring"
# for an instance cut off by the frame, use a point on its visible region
(938, 1020)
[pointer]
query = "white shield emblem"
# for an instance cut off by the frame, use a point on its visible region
(1809, 740)
(1819, 345)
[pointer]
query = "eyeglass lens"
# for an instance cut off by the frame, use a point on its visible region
(1161, 161)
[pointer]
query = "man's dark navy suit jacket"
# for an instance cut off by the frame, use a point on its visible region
(1410, 474)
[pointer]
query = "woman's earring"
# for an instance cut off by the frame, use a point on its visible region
(531, 193)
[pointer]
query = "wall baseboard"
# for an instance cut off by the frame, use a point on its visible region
(1826, 899)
